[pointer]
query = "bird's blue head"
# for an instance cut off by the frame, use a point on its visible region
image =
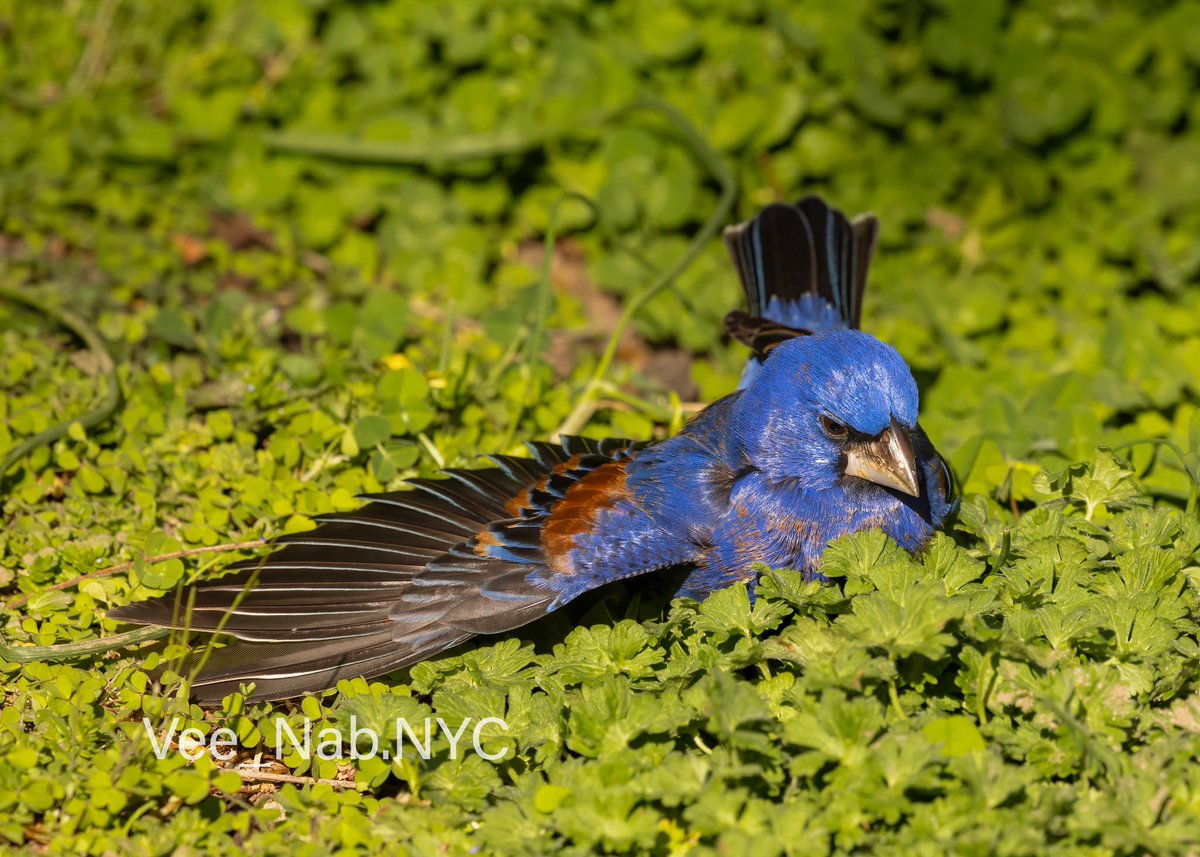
(834, 406)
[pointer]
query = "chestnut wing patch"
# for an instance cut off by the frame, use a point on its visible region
(512, 563)
(578, 510)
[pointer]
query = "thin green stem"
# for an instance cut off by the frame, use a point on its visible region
(206, 653)
(1179, 453)
(469, 148)
(21, 600)
(66, 651)
(98, 414)
(535, 343)
(431, 449)
(983, 689)
(895, 698)
(728, 182)
(655, 412)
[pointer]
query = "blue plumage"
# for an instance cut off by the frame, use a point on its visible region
(820, 439)
(757, 479)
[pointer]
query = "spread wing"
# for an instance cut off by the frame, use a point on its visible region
(412, 573)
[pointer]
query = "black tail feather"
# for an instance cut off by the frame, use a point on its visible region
(810, 248)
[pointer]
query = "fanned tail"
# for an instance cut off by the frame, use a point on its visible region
(803, 268)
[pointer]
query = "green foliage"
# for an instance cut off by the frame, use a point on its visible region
(309, 237)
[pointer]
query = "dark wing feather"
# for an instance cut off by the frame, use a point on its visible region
(282, 670)
(758, 334)
(406, 576)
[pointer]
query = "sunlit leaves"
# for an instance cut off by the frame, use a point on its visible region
(292, 332)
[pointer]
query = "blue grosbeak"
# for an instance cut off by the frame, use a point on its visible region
(821, 439)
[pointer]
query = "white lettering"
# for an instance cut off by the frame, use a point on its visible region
(355, 734)
(219, 741)
(160, 750)
(191, 743)
(305, 749)
(454, 737)
(479, 751)
(425, 751)
(329, 744)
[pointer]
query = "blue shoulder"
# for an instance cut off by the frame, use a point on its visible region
(684, 482)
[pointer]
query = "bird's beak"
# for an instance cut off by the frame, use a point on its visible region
(887, 460)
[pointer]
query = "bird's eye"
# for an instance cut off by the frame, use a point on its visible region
(833, 428)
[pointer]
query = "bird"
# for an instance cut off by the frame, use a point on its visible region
(819, 440)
